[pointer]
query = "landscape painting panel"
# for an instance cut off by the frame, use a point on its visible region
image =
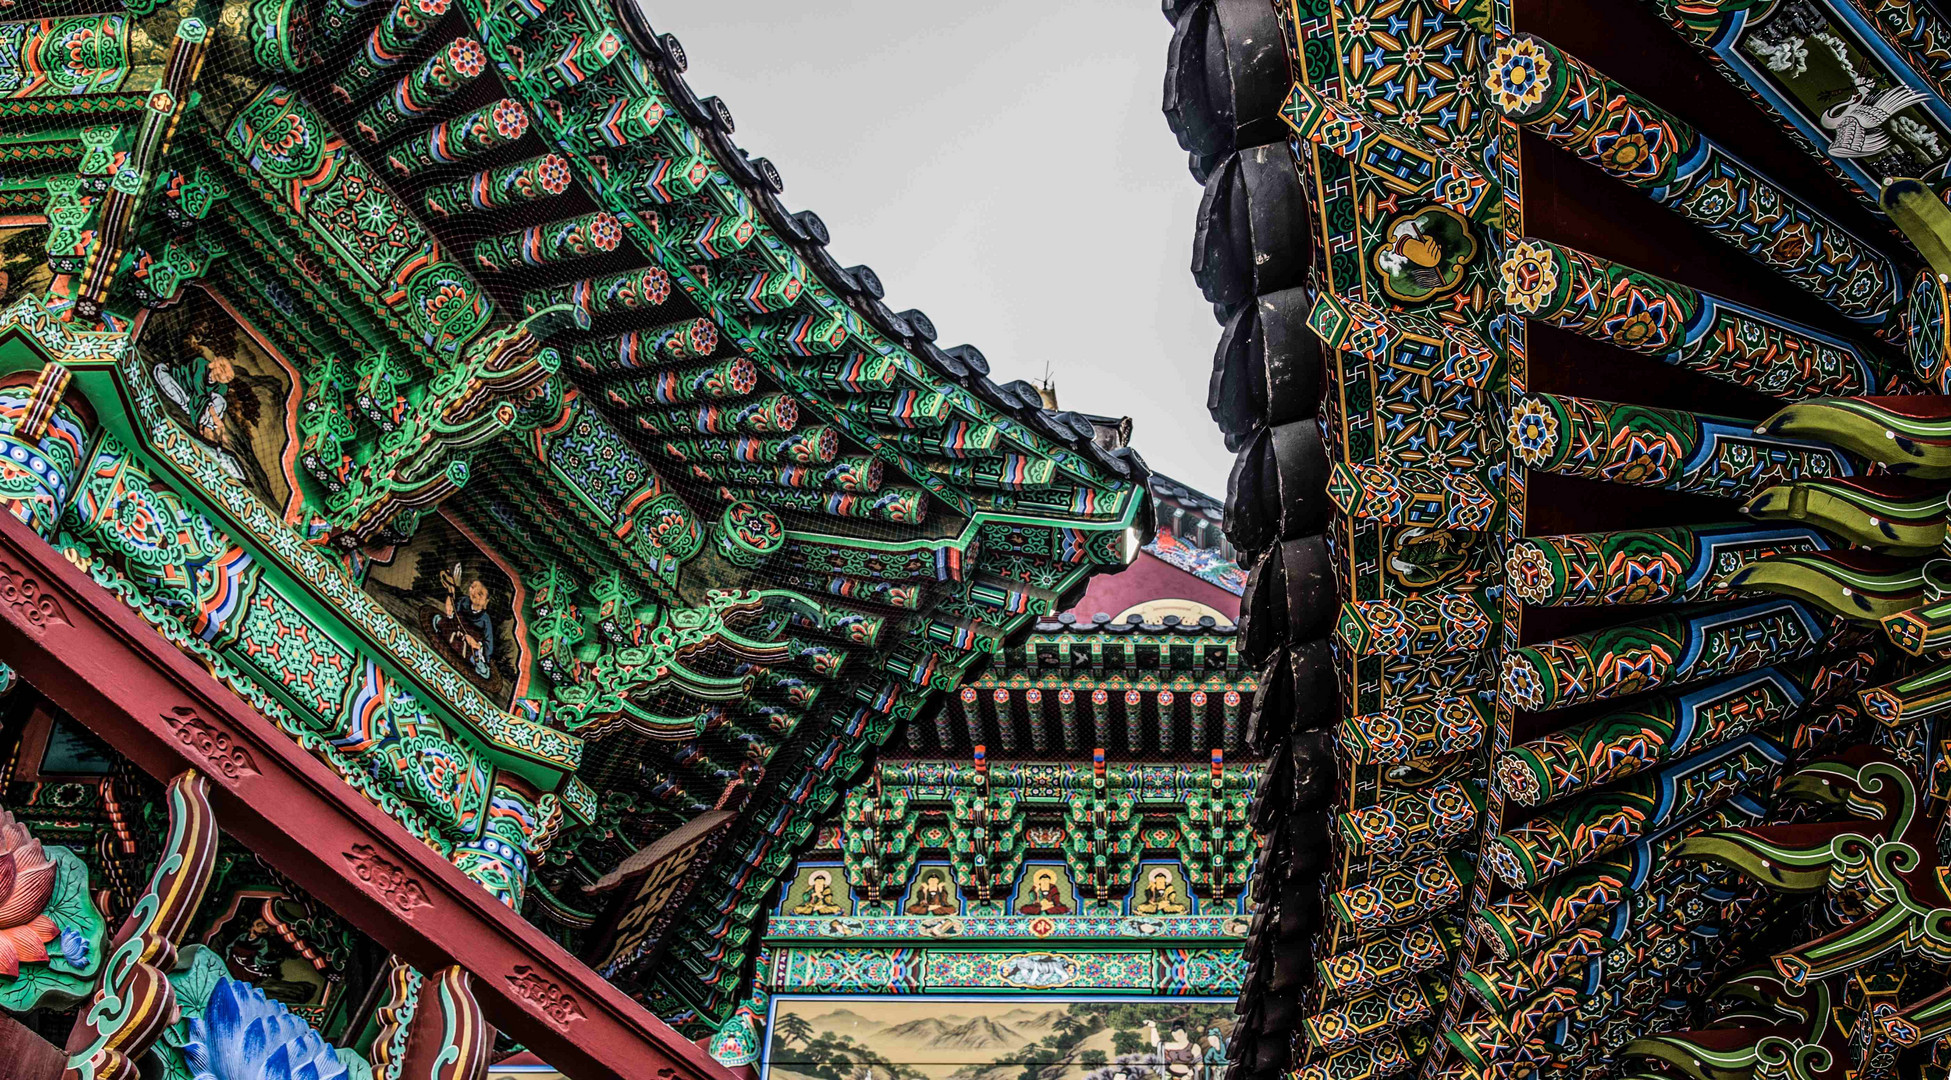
(1011, 1037)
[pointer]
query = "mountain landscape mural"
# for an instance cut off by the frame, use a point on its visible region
(1005, 1038)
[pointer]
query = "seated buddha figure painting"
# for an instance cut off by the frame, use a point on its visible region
(1163, 892)
(1046, 891)
(813, 893)
(933, 894)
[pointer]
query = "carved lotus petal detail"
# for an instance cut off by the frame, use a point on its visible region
(242, 1035)
(26, 884)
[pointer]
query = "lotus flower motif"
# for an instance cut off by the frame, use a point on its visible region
(242, 1035)
(26, 883)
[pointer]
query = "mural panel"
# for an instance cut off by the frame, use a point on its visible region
(460, 601)
(221, 384)
(23, 259)
(818, 890)
(1844, 90)
(1046, 890)
(933, 893)
(996, 1038)
(1162, 890)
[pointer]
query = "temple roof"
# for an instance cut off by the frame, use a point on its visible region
(538, 320)
(859, 287)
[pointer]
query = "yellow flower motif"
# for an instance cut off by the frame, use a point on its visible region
(1522, 686)
(1519, 74)
(1534, 432)
(1528, 572)
(1530, 274)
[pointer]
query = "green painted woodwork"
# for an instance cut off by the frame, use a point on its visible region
(749, 533)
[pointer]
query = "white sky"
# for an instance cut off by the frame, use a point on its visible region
(1004, 167)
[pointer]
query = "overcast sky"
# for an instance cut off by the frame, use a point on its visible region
(1004, 167)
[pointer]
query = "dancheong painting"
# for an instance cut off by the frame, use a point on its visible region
(996, 1038)
(218, 382)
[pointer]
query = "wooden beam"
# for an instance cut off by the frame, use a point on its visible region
(96, 659)
(28, 1056)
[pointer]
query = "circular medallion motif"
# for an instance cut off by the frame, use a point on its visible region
(1519, 74)
(748, 534)
(1530, 277)
(1425, 253)
(1522, 686)
(468, 57)
(1528, 571)
(509, 118)
(605, 232)
(552, 175)
(1534, 432)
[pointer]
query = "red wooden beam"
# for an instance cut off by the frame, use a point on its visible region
(27, 1055)
(95, 658)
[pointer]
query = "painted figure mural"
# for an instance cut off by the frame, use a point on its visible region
(1044, 895)
(464, 629)
(1177, 1053)
(818, 898)
(451, 593)
(1161, 895)
(933, 894)
(223, 388)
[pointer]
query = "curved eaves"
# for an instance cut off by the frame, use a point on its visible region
(909, 333)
